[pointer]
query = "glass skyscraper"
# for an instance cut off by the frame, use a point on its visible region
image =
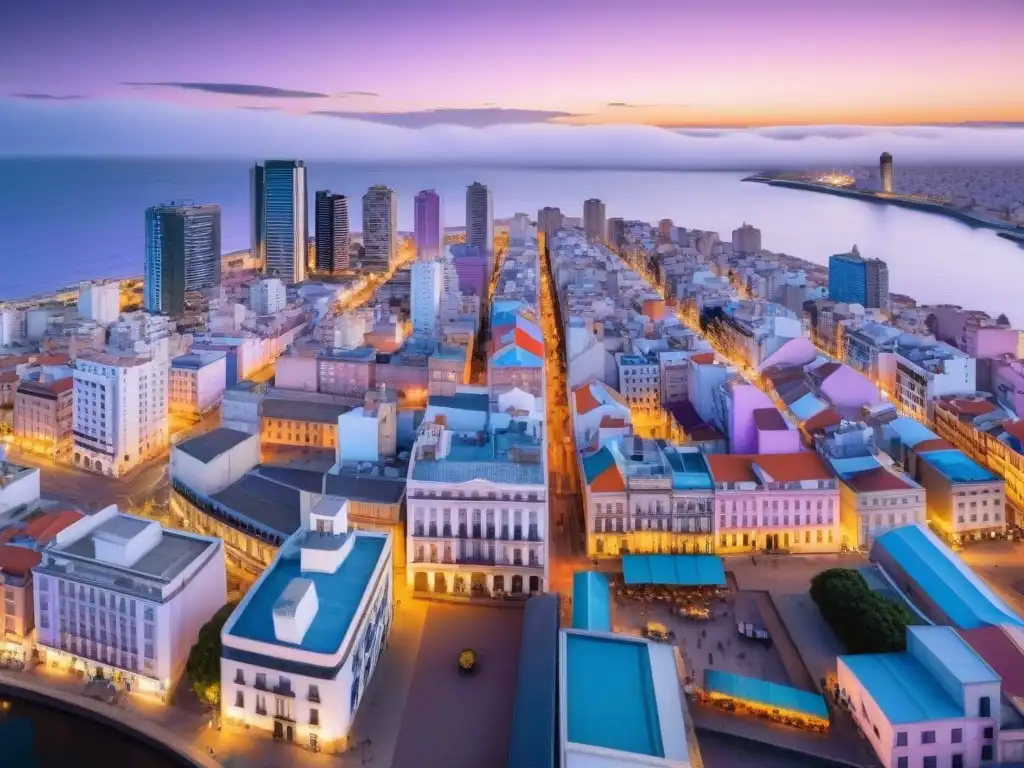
(279, 211)
(427, 225)
(332, 232)
(853, 279)
(182, 254)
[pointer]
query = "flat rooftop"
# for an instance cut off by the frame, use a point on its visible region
(956, 467)
(619, 694)
(208, 446)
(290, 409)
(491, 460)
(338, 595)
(271, 504)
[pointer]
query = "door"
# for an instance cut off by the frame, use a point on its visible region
(421, 582)
(278, 730)
(289, 733)
(517, 584)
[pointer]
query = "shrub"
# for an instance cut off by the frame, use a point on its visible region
(203, 665)
(863, 620)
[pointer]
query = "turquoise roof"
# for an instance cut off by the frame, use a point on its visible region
(765, 693)
(911, 431)
(902, 687)
(807, 406)
(677, 570)
(956, 467)
(591, 602)
(951, 652)
(516, 357)
(338, 595)
(597, 463)
(610, 694)
(953, 587)
(854, 465)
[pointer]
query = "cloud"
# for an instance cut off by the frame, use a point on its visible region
(346, 94)
(236, 89)
(47, 96)
(468, 118)
(627, 105)
(99, 127)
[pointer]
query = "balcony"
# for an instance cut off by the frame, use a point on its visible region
(284, 690)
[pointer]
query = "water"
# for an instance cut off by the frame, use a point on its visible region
(36, 736)
(67, 220)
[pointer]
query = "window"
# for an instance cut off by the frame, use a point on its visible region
(314, 717)
(988, 732)
(928, 737)
(901, 739)
(958, 735)
(986, 752)
(930, 761)
(314, 693)
(261, 680)
(984, 707)
(958, 761)
(902, 762)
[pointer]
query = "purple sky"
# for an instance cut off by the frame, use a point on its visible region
(481, 62)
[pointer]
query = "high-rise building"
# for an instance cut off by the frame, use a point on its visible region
(182, 254)
(885, 172)
(593, 219)
(428, 230)
(100, 301)
(853, 279)
(549, 221)
(665, 228)
(616, 232)
(520, 229)
(279, 210)
(380, 229)
(426, 286)
(332, 235)
(267, 296)
(480, 222)
(746, 239)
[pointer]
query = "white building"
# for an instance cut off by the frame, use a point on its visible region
(120, 410)
(300, 649)
(639, 379)
(100, 301)
(426, 296)
(597, 406)
(19, 486)
(197, 382)
(268, 297)
(210, 462)
(917, 373)
(936, 704)
(480, 222)
(477, 504)
(380, 229)
(120, 597)
(521, 229)
(240, 407)
(369, 432)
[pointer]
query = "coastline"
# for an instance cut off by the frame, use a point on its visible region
(1005, 229)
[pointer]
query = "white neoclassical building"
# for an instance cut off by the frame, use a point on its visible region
(477, 509)
(299, 651)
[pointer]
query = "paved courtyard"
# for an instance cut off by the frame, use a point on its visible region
(452, 719)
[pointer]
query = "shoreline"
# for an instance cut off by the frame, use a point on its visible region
(1007, 229)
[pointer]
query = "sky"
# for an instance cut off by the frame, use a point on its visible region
(482, 64)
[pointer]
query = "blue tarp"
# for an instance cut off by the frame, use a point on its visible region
(674, 570)
(770, 695)
(591, 602)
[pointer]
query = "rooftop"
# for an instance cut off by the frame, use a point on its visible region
(356, 486)
(956, 467)
(464, 401)
(769, 419)
(338, 595)
(946, 580)
(18, 561)
(777, 468)
(878, 479)
(294, 409)
(273, 505)
(508, 457)
(208, 446)
(591, 603)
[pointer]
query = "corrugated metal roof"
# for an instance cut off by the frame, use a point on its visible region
(677, 570)
(533, 742)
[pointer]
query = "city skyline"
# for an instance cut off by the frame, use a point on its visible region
(874, 63)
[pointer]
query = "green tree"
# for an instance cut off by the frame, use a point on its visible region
(203, 665)
(863, 620)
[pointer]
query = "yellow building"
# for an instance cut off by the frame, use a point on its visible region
(304, 423)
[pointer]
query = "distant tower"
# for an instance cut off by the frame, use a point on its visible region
(278, 197)
(885, 172)
(480, 222)
(182, 254)
(594, 219)
(380, 229)
(429, 235)
(332, 235)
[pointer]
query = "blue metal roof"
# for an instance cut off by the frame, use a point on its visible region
(596, 463)
(591, 602)
(677, 570)
(533, 742)
(516, 357)
(765, 693)
(902, 687)
(956, 467)
(911, 431)
(807, 406)
(944, 578)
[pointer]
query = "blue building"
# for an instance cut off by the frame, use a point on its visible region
(182, 254)
(853, 279)
(279, 211)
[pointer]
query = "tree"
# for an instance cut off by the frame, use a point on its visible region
(203, 665)
(863, 620)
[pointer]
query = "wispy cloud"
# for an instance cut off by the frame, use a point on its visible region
(627, 105)
(468, 118)
(48, 96)
(369, 94)
(235, 89)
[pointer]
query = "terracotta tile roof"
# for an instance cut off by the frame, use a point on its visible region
(9, 377)
(1015, 428)
(821, 421)
(47, 525)
(933, 444)
(729, 468)
(706, 433)
(610, 422)
(703, 358)
(18, 561)
(963, 406)
(793, 467)
(13, 361)
(585, 400)
(769, 419)
(877, 479)
(57, 359)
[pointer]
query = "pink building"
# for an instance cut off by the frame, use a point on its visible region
(987, 342)
(787, 502)
(471, 267)
(346, 371)
(774, 433)
(936, 704)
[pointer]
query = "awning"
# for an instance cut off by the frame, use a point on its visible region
(674, 570)
(768, 695)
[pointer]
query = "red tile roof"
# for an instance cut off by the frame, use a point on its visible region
(877, 479)
(793, 467)
(584, 398)
(610, 422)
(703, 358)
(933, 444)
(8, 378)
(1001, 653)
(728, 468)
(1015, 428)
(18, 561)
(821, 421)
